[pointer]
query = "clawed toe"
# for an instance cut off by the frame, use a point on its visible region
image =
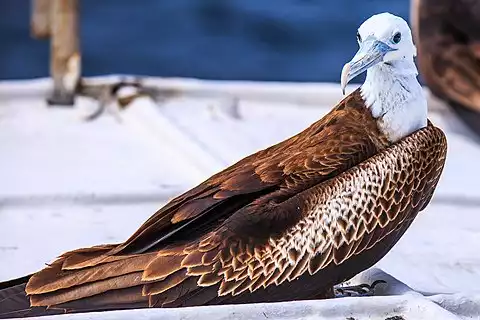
(359, 290)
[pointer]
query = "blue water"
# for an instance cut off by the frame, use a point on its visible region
(281, 40)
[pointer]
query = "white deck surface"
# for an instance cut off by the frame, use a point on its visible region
(66, 183)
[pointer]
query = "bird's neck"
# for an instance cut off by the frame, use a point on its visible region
(395, 98)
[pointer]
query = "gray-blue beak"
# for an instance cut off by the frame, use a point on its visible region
(370, 53)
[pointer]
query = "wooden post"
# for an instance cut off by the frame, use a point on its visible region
(65, 58)
(40, 22)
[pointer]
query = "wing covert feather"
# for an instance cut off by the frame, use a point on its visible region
(341, 217)
(330, 146)
(291, 210)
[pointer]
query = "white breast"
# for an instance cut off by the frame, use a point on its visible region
(396, 99)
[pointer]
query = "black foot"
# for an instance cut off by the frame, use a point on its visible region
(360, 290)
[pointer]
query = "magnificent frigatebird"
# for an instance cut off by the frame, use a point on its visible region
(286, 223)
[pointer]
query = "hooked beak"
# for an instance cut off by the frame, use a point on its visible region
(370, 53)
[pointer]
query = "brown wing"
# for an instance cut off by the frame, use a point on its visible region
(285, 213)
(344, 225)
(328, 147)
(341, 222)
(258, 184)
(447, 34)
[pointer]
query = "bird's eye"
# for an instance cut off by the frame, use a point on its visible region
(397, 37)
(359, 37)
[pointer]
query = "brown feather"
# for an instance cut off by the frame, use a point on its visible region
(169, 282)
(208, 279)
(254, 229)
(87, 290)
(173, 294)
(113, 298)
(161, 267)
(77, 258)
(53, 278)
(448, 42)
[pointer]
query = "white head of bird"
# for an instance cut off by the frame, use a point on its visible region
(391, 90)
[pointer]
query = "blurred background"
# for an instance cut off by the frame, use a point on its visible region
(194, 86)
(284, 40)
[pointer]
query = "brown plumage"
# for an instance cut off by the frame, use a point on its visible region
(285, 223)
(447, 33)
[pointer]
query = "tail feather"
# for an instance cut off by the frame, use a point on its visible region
(86, 290)
(54, 277)
(12, 295)
(14, 302)
(66, 287)
(114, 299)
(80, 258)
(88, 280)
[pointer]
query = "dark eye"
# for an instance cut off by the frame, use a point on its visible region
(397, 37)
(359, 37)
